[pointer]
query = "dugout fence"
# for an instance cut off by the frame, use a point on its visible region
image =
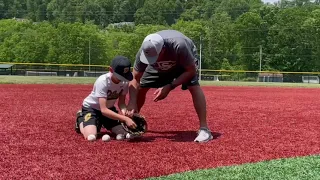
(81, 70)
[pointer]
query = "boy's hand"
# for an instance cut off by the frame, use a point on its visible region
(130, 123)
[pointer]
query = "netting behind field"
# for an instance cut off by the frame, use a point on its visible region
(93, 73)
(79, 70)
(39, 73)
(69, 70)
(310, 79)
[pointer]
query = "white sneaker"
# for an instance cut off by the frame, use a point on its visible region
(204, 135)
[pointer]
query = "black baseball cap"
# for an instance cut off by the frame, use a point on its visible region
(122, 68)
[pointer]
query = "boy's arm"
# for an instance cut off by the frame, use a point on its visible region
(114, 116)
(109, 113)
(101, 91)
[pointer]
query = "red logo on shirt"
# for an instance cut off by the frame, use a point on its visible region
(165, 65)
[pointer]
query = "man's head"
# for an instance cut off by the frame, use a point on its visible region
(120, 67)
(151, 48)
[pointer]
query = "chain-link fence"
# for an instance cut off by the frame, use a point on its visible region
(257, 76)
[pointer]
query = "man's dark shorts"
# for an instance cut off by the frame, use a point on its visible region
(154, 79)
(92, 116)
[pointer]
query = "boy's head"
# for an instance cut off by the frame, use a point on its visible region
(121, 68)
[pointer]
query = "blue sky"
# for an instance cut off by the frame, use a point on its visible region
(270, 1)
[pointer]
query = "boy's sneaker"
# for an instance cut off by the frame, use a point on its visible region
(204, 135)
(77, 124)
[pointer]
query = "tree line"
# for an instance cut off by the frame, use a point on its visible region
(232, 34)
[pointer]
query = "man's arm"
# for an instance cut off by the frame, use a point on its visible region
(187, 60)
(134, 86)
(190, 72)
(122, 104)
(122, 101)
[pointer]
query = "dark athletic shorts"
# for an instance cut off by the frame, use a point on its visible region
(92, 116)
(154, 79)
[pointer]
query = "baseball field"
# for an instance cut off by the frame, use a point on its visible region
(261, 130)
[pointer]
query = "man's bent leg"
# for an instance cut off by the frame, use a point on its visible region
(199, 102)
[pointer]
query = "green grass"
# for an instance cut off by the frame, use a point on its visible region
(91, 80)
(45, 80)
(301, 168)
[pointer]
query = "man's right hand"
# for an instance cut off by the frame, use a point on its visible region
(131, 109)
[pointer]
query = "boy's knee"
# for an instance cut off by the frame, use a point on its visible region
(90, 132)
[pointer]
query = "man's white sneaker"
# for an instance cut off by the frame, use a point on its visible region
(204, 135)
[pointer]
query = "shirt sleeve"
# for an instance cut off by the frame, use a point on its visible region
(185, 55)
(138, 65)
(101, 89)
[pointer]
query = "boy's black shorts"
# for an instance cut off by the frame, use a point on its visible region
(92, 116)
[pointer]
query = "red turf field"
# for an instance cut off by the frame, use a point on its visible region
(251, 124)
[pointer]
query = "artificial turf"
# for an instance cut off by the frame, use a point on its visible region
(299, 168)
(251, 124)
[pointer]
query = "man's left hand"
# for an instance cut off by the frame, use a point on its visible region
(162, 93)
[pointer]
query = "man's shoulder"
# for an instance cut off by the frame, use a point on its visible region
(138, 54)
(176, 39)
(167, 34)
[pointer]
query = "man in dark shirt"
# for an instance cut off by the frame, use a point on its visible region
(166, 60)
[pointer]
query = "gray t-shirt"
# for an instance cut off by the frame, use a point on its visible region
(180, 52)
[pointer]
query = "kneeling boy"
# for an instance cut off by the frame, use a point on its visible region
(98, 108)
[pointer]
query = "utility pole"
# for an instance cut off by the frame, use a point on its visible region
(89, 54)
(260, 56)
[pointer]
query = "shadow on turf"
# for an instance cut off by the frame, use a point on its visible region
(175, 136)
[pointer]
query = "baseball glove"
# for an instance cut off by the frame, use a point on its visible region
(141, 125)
